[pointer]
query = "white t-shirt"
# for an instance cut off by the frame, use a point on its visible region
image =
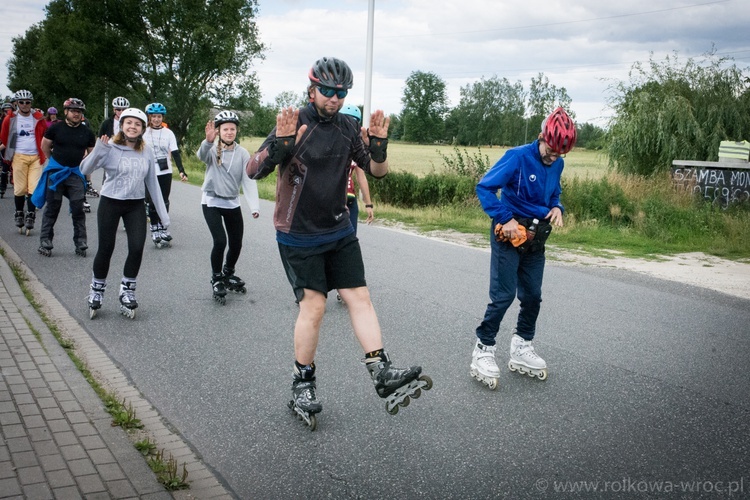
(163, 142)
(26, 142)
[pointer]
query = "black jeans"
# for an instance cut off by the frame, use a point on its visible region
(75, 190)
(133, 215)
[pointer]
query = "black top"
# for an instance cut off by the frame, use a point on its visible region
(69, 144)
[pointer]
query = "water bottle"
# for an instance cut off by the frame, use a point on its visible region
(531, 230)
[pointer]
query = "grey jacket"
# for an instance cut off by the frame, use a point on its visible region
(225, 180)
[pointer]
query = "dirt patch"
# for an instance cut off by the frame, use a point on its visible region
(696, 268)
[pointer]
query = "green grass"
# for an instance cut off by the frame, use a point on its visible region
(639, 217)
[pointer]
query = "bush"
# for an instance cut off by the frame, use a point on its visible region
(402, 189)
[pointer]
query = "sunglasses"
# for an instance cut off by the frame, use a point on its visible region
(329, 92)
(24, 102)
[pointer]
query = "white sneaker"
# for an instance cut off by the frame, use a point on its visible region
(524, 359)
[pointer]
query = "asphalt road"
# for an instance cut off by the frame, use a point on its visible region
(648, 393)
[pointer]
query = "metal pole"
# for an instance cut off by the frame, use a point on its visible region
(368, 64)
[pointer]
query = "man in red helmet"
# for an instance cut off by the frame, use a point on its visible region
(313, 148)
(522, 219)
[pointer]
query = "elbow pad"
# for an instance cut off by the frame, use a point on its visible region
(280, 149)
(378, 149)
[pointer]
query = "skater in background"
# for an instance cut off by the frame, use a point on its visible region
(51, 116)
(21, 142)
(111, 125)
(130, 168)
(65, 143)
(312, 148)
(225, 173)
(5, 111)
(522, 219)
(351, 192)
(164, 144)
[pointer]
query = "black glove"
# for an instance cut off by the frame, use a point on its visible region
(280, 149)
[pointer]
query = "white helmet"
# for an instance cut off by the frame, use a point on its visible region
(23, 95)
(135, 113)
(226, 117)
(120, 103)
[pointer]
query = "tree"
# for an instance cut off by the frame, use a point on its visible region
(185, 54)
(490, 112)
(425, 106)
(544, 98)
(589, 136)
(671, 111)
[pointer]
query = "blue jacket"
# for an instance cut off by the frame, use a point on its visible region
(56, 173)
(529, 187)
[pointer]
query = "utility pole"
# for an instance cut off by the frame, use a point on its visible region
(368, 64)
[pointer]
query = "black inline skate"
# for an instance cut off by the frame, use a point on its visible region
(19, 220)
(233, 283)
(96, 297)
(219, 288)
(398, 386)
(81, 247)
(90, 191)
(45, 247)
(29, 222)
(128, 304)
(304, 401)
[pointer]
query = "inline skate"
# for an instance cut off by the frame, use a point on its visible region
(398, 386)
(156, 237)
(90, 191)
(29, 222)
(304, 402)
(233, 283)
(45, 247)
(128, 304)
(81, 247)
(525, 360)
(19, 218)
(483, 365)
(219, 288)
(166, 238)
(86, 207)
(96, 297)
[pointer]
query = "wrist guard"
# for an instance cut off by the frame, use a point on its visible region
(378, 149)
(280, 149)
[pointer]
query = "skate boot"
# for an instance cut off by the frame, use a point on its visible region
(233, 283)
(128, 304)
(81, 248)
(483, 365)
(29, 222)
(156, 236)
(45, 247)
(164, 234)
(219, 287)
(525, 360)
(304, 402)
(96, 297)
(90, 191)
(19, 220)
(397, 385)
(86, 207)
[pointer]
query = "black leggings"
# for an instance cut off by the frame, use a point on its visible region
(235, 228)
(133, 215)
(165, 185)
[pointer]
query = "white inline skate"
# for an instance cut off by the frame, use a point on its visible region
(166, 238)
(525, 360)
(304, 402)
(483, 365)
(156, 237)
(96, 297)
(128, 304)
(398, 386)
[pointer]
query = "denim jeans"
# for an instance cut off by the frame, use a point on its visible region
(512, 274)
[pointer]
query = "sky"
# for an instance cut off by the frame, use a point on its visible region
(585, 46)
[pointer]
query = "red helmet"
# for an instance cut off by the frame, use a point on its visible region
(559, 131)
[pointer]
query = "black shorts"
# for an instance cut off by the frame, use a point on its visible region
(336, 265)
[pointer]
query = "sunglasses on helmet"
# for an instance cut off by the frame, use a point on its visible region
(329, 92)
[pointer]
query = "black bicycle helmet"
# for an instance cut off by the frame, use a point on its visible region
(332, 72)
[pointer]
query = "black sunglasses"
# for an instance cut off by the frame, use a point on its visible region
(329, 92)
(24, 102)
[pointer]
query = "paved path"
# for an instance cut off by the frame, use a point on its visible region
(58, 441)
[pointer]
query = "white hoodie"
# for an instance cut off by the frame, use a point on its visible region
(127, 174)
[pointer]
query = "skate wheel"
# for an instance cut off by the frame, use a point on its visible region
(220, 300)
(511, 367)
(92, 313)
(417, 393)
(492, 384)
(393, 410)
(313, 423)
(542, 375)
(405, 402)
(428, 382)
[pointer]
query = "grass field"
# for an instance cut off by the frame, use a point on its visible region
(420, 159)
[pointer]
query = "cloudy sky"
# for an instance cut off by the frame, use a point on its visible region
(582, 45)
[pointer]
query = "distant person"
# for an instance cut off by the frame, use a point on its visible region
(130, 167)
(51, 116)
(21, 142)
(313, 147)
(65, 143)
(111, 125)
(5, 110)
(164, 144)
(225, 173)
(528, 178)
